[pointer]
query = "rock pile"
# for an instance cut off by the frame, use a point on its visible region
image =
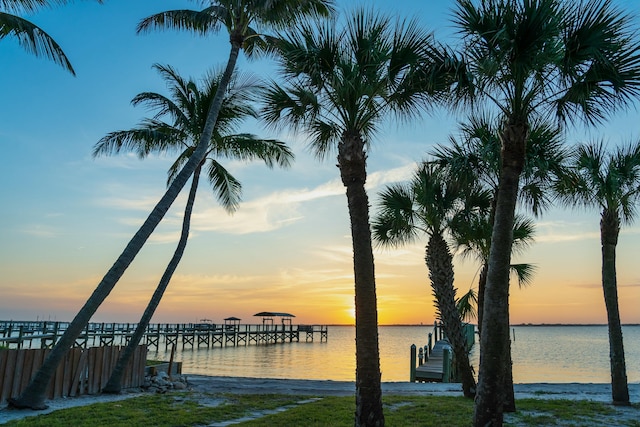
(162, 382)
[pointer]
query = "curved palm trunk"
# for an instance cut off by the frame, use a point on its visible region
(609, 230)
(440, 263)
(494, 341)
(114, 385)
(34, 395)
(352, 164)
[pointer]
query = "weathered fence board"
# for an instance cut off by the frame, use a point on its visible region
(83, 370)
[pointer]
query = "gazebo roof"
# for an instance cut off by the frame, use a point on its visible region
(273, 314)
(232, 318)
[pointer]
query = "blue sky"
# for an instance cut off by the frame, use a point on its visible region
(65, 216)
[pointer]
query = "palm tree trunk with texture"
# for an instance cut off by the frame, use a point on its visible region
(440, 264)
(609, 231)
(494, 340)
(352, 164)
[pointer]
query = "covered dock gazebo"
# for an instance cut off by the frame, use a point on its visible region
(267, 317)
(231, 324)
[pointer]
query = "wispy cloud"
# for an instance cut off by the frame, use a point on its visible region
(401, 173)
(564, 231)
(40, 230)
(263, 214)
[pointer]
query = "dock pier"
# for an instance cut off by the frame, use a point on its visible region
(434, 361)
(44, 334)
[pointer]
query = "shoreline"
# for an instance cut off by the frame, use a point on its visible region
(597, 392)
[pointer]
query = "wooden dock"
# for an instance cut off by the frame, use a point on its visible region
(435, 361)
(44, 334)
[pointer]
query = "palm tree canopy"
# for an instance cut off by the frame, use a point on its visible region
(187, 110)
(345, 80)
(475, 157)
(606, 181)
(549, 57)
(243, 19)
(31, 37)
(430, 203)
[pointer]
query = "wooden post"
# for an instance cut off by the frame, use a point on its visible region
(412, 372)
(426, 354)
(430, 342)
(420, 356)
(446, 365)
(173, 351)
(20, 332)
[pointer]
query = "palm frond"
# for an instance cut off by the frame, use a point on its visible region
(226, 188)
(32, 6)
(33, 39)
(523, 273)
(200, 22)
(467, 305)
(395, 223)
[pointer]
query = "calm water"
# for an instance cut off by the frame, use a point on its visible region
(557, 354)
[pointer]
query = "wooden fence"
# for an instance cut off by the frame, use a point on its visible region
(82, 371)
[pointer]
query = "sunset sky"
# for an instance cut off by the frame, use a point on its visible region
(65, 217)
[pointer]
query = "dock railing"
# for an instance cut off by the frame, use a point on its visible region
(434, 361)
(44, 334)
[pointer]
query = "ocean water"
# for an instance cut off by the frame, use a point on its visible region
(554, 354)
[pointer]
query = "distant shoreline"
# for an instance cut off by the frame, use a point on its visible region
(521, 324)
(336, 324)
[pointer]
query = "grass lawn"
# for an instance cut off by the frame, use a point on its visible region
(196, 409)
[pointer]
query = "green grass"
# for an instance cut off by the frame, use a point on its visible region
(196, 409)
(173, 409)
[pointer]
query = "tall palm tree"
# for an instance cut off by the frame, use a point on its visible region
(341, 82)
(475, 156)
(187, 110)
(610, 183)
(429, 204)
(529, 59)
(237, 17)
(31, 37)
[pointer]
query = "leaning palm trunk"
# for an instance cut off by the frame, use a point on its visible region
(494, 341)
(609, 231)
(114, 385)
(440, 263)
(34, 395)
(352, 164)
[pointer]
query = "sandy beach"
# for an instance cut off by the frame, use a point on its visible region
(211, 384)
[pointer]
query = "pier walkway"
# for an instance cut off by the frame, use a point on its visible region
(435, 361)
(44, 334)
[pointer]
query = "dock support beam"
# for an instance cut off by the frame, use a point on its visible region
(412, 372)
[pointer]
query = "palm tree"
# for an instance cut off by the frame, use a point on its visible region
(237, 17)
(473, 237)
(475, 157)
(341, 82)
(530, 59)
(610, 183)
(31, 37)
(429, 204)
(187, 110)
